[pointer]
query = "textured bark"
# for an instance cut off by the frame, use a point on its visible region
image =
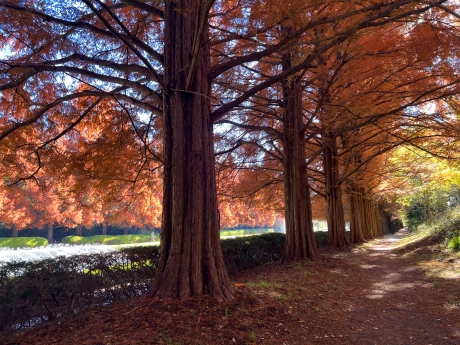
(191, 262)
(300, 238)
(337, 235)
(370, 230)
(356, 215)
(50, 232)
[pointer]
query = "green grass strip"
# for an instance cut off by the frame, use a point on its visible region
(107, 239)
(245, 232)
(22, 242)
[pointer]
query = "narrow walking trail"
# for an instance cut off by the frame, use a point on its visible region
(361, 295)
(399, 303)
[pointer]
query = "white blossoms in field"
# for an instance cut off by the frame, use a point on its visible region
(50, 251)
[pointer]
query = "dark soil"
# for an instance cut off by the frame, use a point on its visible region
(367, 295)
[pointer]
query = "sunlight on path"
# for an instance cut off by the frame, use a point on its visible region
(402, 304)
(389, 242)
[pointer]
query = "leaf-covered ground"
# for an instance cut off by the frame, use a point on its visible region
(374, 294)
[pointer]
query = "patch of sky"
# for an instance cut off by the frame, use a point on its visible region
(6, 52)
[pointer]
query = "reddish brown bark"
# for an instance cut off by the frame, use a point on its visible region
(300, 239)
(337, 236)
(191, 261)
(355, 208)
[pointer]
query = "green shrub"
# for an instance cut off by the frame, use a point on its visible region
(107, 239)
(246, 252)
(33, 292)
(454, 243)
(22, 242)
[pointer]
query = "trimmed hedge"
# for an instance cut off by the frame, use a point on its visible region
(247, 252)
(34, 292)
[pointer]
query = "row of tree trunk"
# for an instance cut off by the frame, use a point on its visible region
(50, 231)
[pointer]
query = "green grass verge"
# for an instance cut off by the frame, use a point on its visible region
(22, 242)
(245, 232)
(107, 239)
(444, 230)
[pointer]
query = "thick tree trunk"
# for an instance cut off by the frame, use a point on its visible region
(191, 262)
(50, 232)
(14, 231)
(337, 235)
(369, 220)
(300, 238)
(356, 215)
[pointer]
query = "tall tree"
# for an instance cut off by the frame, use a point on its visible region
(157, 66)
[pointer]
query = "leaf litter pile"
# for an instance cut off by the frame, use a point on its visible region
(362, 295)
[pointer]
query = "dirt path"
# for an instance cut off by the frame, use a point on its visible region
(358, 296)
(399, 304)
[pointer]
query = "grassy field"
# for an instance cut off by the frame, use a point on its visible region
(22, 242)
(245, 232)
(107, 239)
(124, 240)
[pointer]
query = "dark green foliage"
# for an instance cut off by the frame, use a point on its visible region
(247, 252)
(322, 238)
(32, 292)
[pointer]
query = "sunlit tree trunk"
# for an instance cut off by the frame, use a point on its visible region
(356, 215)
(300, 238)
(50, 231)
(426, 200)
(337, 236)
(191, 261)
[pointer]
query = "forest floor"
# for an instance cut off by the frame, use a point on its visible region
(378, 293)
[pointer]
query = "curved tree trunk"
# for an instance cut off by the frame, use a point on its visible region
(337, 235)
(191, 262)
(300, 238)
